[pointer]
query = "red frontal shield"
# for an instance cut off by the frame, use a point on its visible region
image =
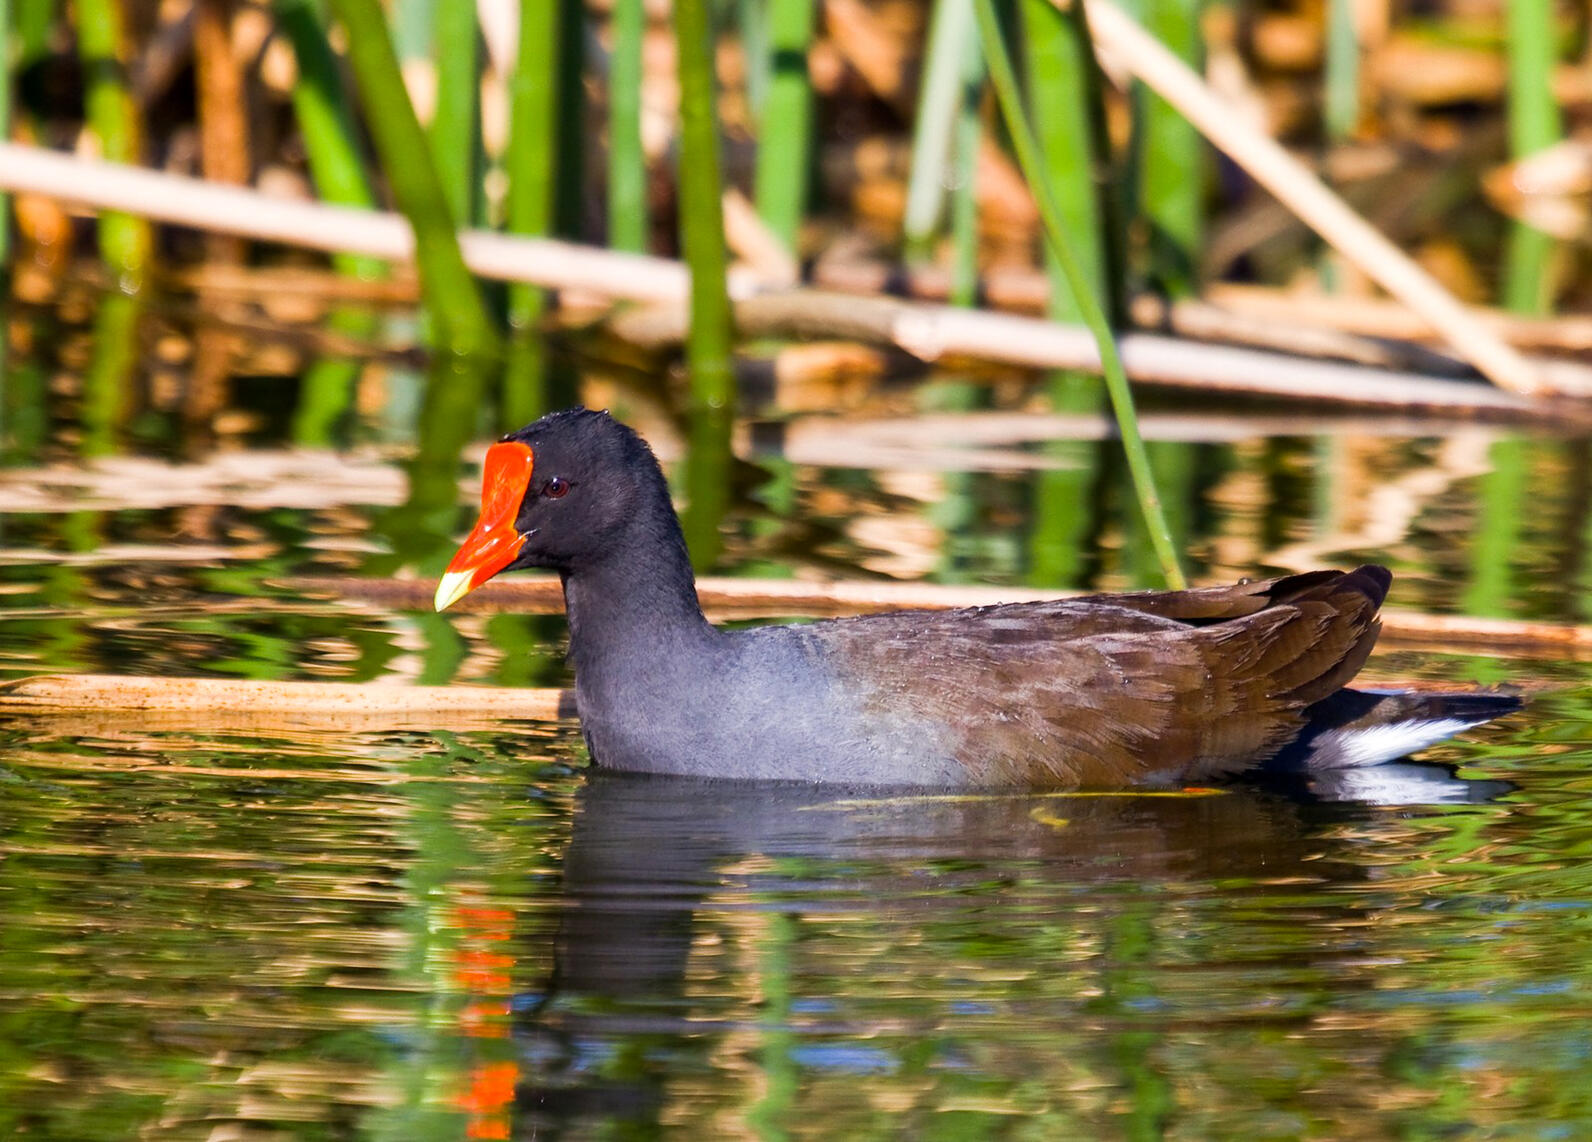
(493, 543)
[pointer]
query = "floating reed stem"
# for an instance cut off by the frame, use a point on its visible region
(253, 703)
(1031, 161)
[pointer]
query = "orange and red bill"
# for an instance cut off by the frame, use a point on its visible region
(494, 542)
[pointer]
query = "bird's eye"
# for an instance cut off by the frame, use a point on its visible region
(555, 488)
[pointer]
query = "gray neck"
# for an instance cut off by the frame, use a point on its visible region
(634, 609)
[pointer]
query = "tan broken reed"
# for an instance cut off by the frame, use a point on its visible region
(1142, 55)
(934, 332)
(255, 703)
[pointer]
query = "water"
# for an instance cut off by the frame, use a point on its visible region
(440, 935)
(306, 932)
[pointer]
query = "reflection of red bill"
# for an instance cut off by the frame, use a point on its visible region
(494, 543)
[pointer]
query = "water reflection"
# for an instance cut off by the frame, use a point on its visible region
(764, 955)
(213, 933)
(461, 935)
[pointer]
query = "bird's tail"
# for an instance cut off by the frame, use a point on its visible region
(1354, 728)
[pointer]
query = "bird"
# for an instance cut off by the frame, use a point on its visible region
(1150, 689)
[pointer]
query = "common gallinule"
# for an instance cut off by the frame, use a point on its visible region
(1149, 688)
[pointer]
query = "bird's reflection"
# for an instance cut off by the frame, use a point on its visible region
(649, 856)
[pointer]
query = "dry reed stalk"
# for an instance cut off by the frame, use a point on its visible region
(310, 283)
(1384, 318)
(255, 703)
(1323, 211)
(1275, 315)
(931, 332)
(927, 332)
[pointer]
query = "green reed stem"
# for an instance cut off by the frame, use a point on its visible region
(964, 175)
(950, 31)
(1533, 111)
(533, 143)
(1058, 75)
(784, 135)
(455, 127)
(327, 391)
(331, 145)
(1030, 160)
(452, 297)
(1176, 464)
(627, 161)
(709, 340)
(107, 376)
(1502, 492)
(570, 158)
(1340, 106)
(1342, 100)
(708, 476)
(1534, 125)
(1060, 79)
(33, 22)
(26, 394)
(751, 23)
(522, 386)
(1528, 287)
(6, 81)
(413, 27)
(1172, 158)
(125, 241)
(326, 121)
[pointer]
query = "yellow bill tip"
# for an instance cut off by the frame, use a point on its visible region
(452, 587)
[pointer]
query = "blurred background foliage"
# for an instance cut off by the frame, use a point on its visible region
(857, 132)
(848, 144)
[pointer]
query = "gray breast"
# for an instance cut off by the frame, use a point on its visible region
(763, 704)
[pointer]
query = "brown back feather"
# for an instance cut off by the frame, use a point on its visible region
(1163, 687)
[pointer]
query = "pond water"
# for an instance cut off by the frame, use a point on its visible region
(214, 932)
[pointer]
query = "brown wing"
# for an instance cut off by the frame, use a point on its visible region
(1201, 606)
(1101, 693)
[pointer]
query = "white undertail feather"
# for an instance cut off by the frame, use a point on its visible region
(1349, 747)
